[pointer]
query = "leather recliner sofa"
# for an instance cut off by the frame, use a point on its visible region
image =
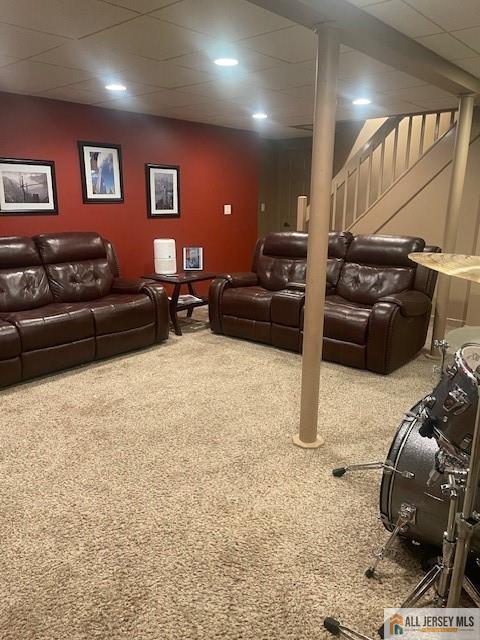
(62, 303)
(377, 308)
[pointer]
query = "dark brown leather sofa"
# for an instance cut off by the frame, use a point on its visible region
(62, 303)
(377, 307)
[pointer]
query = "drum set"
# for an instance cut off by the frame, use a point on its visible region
(428, 492)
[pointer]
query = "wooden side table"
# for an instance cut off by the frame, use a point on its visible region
(184, 302)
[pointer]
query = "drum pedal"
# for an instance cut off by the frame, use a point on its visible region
(335, 628)
(406, 516)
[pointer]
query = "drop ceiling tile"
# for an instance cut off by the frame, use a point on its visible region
(471, 37)
(393, 80)
(220, 89)
(284, 76)
(248, 60)
(32, 77)
(158, 99)
(418, 94)
(72, 94)
(360, 67)
(365, 3)
(470, 64)
(446, 46)
(450, 14)
(7, 60)
(403, 18)
(22, 43)
(163, 74)
(225, 19)
(437, 103)
(78, 54)
(148, 37)
(68, 18)
(305, 92)
(97, 86)
(294, 44)
(141, 6)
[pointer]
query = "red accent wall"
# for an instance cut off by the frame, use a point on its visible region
(217, 166)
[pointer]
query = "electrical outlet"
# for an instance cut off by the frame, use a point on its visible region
(227, 209)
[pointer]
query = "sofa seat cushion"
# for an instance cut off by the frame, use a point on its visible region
(9, 341)
(286, 307)
(345, 320)
(252, 303)
(51, 325)
(121, 312)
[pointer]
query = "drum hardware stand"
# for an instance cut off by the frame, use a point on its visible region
(406, 516)
(439, 575)
(467, 521)
(442, 346)
(367, 466)
(448, 574)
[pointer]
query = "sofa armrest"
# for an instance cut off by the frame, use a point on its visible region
(240, 279)
(412, 303)
(128, 285)
(157, 294)
(296, 286)
(159, 297)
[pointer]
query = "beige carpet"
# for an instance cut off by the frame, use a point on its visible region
(158, 496)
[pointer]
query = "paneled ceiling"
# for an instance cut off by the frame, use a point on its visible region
(163, 51)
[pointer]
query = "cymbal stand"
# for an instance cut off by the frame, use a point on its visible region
(468, 520)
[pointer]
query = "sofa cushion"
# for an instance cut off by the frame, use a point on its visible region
(377, 266)
(9, 341)
(252, 303)
(23, 281)
(286, 307)
(121, 312)
(77, 265)
(366, 284)
(51, 325)
(346, 321)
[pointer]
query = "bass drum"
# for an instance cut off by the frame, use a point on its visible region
(411, 452)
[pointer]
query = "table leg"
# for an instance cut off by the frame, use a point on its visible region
(173, 310)
(191, 291)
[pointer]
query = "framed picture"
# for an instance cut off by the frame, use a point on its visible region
(192, 258)
(163, 191)
(27, 187)
(101, 172)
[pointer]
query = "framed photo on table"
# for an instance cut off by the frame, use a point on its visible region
(101, 172)
(27, 187)
(193, 258)
(163, 190)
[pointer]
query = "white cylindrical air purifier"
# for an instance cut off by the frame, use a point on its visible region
(165, 256)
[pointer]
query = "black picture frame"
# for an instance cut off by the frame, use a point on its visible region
(87, 187)
(7, 208)
(169, 169)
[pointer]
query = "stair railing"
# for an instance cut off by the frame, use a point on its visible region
(391, 151)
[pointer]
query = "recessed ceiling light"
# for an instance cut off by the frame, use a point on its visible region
(226, 62)
(361, 101)
(115, 87)
(260, 115)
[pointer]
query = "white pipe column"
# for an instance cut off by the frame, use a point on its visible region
(319, 223)
(457, 181)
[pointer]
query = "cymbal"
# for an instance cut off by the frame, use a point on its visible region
(452, 264)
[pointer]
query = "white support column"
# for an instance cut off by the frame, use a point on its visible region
(457, 181)
(302, 213)
(319, 224)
